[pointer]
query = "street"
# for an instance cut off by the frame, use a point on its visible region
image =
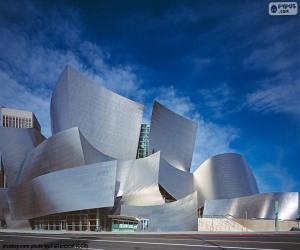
(149, 241)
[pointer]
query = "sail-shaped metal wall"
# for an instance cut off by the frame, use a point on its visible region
(77, 188)
(173, 135)
(176, 182)
(110, 122)
(89, 162)
(63, 173)
(142, 182)
(224, 176)
(63, 150)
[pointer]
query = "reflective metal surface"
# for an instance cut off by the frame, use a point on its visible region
(90, 163)
(15, 143)
(180, 215)
(3, 202)
(176, 182)
(15, 224)
(110, 122)
(256, 206)
(224, 176)
(63, 150)
(83, 187)
(3, 198)
(173, 135)
(142, 182)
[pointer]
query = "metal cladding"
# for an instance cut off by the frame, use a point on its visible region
(84, 187)
(142, 183)
(15, 143)
(173, 135)
(63, 150)
(224, 176)
(175, 216)
(256, 206)
(3, 202)
(39, 190)
(15, 224)
(110, 122)
(140, 179)
(176, 182)
(89, 163)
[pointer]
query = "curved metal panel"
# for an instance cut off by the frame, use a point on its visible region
(63, 150)
(15, 143)
(173, 135)
(260, 206)
(3, 201)
(179, 215)
(110, 122)
(142, 182)
(15, 224)
(78, 188)
(224, 176)
(123, 170)
(176, 182)
(3, 198)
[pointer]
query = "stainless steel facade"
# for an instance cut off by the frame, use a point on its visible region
(89, 164)
(110, 122)
(3, 202)
(63, 150)
(77, 188)
(256, 206)
(224, 176)
(142, 182)
(179, 215)
(15, 144)
(173, 135)
(176, 182)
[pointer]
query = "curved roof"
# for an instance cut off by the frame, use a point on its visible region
(66, 149)
(110, 122)
(224, 176)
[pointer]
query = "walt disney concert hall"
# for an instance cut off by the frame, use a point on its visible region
(87, 175)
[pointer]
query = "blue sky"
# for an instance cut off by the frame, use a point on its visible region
(226, 64)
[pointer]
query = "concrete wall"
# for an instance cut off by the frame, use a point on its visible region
(268, 225)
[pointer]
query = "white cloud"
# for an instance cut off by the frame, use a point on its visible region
(280, 98)
(118, 78)
(34, 63)
(271, 175)
(178, 103)
(221, 100)
(14, 95)
(211, 139)
(275, 57)
(29, 69)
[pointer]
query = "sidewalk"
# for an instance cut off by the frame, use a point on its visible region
(183, 233)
